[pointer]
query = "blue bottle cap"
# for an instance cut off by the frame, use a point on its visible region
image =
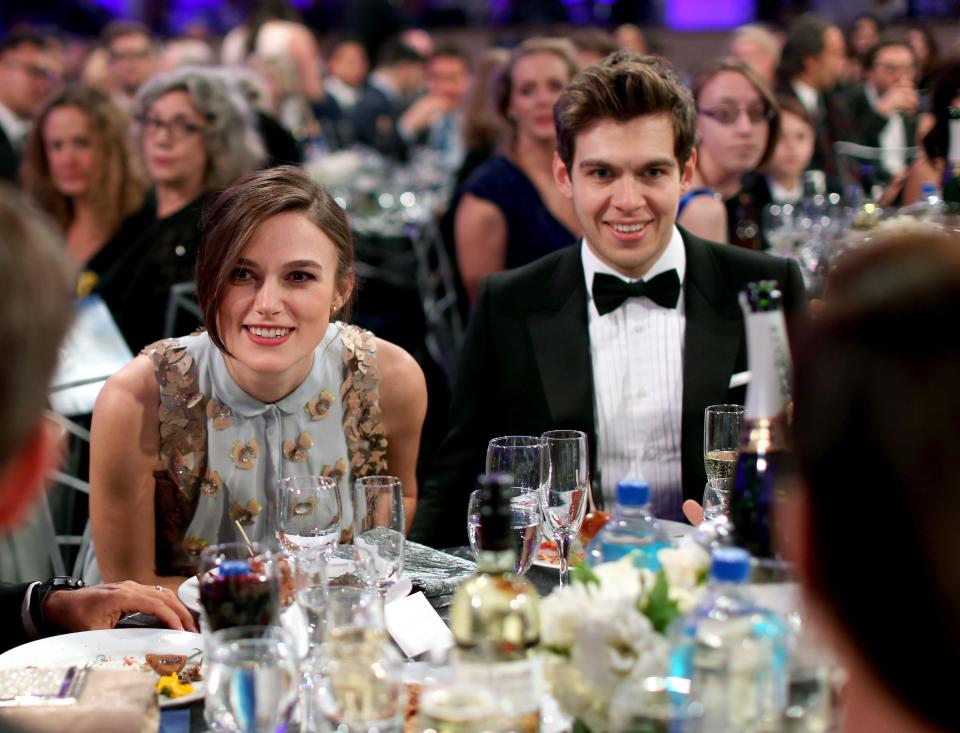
(730, 565)
(229, 568)
(633, 492)
(928, 189)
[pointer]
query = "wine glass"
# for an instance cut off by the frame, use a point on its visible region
(721, 437)
(518, 455)
(378, 526)
(563, 492)
(252, 680)
(239, 586)
(308, 514)
(525, 506)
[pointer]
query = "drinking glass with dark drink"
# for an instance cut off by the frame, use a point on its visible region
(239, 586)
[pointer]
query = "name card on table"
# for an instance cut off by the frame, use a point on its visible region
(416, 626)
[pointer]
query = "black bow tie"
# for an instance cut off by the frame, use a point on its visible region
(609, 292)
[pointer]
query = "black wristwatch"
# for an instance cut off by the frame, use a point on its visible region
(39, 595)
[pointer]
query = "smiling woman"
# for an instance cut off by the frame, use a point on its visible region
(193, 435)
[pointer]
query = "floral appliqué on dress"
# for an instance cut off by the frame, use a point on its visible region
(245, 456)
(319, 406)
(297, 452)
(246, 515)
(219, 414)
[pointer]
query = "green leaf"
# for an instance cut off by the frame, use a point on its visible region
(560, 651)
(583, 573)
(659, 608)
(580, 727)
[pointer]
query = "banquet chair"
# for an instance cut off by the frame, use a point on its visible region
(182, 299)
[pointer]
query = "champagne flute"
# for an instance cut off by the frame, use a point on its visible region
(378, 526)
(721, 437)
(564, 488)
(518, 455)
(308, 514)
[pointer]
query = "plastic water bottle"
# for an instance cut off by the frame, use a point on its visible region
(734, 655)
(929, 206)
(632, 528)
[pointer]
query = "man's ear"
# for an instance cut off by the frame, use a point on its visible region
(24, 475)
(562, 176)
(686, 172)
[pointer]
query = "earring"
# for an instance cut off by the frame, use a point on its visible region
(333, 309)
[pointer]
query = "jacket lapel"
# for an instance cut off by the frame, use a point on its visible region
(712, 341)
(561, 343)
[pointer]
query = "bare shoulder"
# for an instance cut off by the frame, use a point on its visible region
(132, 387)
(705, 216)
(475, 210)
(400, 375)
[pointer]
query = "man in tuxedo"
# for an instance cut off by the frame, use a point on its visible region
(628, 336)
(810, 64)
(885, 106)
(36, 302)
(25, 81)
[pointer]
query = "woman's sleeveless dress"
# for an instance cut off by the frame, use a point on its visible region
(222, 451)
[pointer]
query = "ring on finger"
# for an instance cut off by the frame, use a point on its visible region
(158, 587)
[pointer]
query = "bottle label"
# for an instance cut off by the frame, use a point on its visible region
(770, 368)
(517, 687)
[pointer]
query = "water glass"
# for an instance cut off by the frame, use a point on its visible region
(252, 680)
(525, 504)
(565, 484)
(308, 513)
(721, 438)
(310, 580)
(378, 527)
(239, 586)
(520, 456)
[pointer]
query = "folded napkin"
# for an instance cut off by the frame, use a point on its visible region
(110, 701)
(436, 573)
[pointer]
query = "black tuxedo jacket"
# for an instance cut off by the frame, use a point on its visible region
(9, 160)
(11, 605)
(526, 367)
(867, 123)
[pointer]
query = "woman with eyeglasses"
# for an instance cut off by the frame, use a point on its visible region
(737, 124)
(196, 134)
(81, 168)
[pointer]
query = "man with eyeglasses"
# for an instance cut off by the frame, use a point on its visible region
(26, 79)
(131, 59)
(885, 106)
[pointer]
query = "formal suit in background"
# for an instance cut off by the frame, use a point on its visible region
(11, 606)
(9, 159)
(526, 366)
(866, 125)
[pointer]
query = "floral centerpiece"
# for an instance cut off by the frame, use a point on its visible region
(607, 628)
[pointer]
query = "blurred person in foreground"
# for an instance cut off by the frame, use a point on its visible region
(26, 78)
(877, 400)
(626, 336)
(80, 166)
(37, 303)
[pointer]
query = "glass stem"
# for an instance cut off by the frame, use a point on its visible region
(564, 540)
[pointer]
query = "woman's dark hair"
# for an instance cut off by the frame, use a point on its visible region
(804, 38)
(877, 439)
(236, 213)
(945, 88)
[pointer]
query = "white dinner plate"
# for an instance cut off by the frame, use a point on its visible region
(189, 591)
(109, 649)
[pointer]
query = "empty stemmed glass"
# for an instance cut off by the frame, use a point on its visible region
(564, 487)
(721, 437)
(378, 526)
(308, 514)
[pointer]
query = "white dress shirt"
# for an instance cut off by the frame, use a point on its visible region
(893, 136)
(637, 356)
(809, 97)
(13, 127)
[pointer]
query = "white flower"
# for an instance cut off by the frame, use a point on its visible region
(685, 564)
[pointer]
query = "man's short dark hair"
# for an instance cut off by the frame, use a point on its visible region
(619, 88)
(804, 39)
(870, 57)
(594, 40)
(396, 52)
(37, 306)
(22, 36)
(119, 28)
(451, 51)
